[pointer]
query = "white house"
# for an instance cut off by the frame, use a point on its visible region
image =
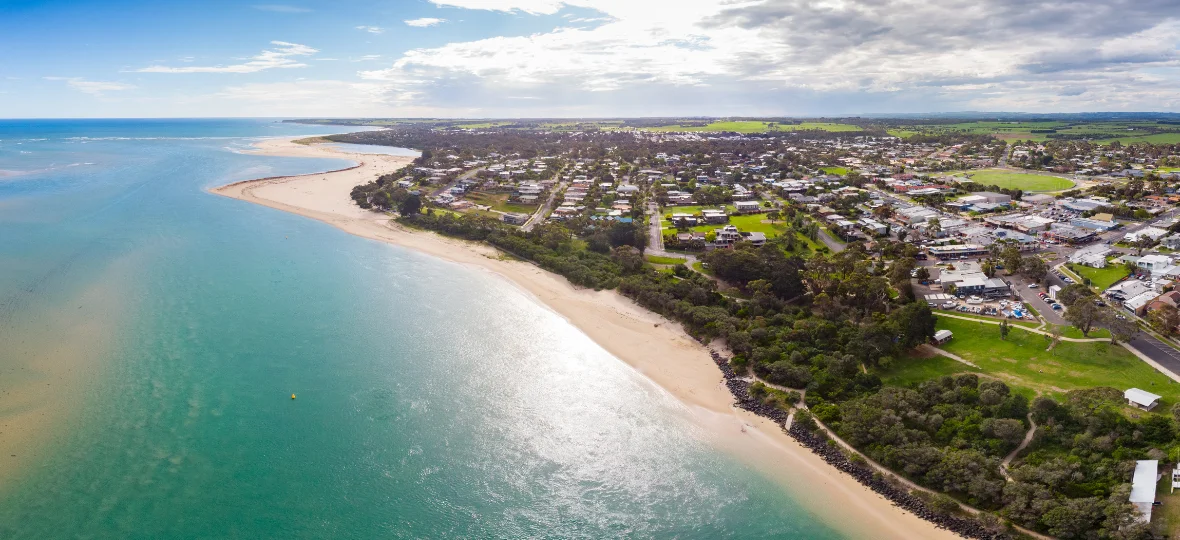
(1143, 487)
(1093, 256)
(746, 206)
(1141, 398)
(1154, 233)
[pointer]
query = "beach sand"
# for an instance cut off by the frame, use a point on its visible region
(654, 346)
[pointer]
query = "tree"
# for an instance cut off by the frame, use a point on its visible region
(934, 226)
(411, 206)
(1074, 293)
(1034, 269)
(923, 274)
(1164, 319)
(1004, 329)
(901, 235)
(1083, 315)
(1121, 329)
(628, 257)
(1011, 258)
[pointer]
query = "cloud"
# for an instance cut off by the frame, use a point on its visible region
(535, 7)
(956, 54)
(280, 8)
(94, 88)
(283, 56)
(425, 22)
(371, 29)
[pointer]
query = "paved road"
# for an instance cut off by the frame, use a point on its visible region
(1162, 353)
(655, 237)
(455, 182)
(544, 210)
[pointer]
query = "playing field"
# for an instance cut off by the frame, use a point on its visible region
(1017, 180)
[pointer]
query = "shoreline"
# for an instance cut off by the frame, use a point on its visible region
(654, 346)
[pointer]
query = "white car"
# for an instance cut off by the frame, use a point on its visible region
(1033, 285)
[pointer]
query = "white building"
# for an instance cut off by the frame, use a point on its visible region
(1141, 398)
(1143, 487)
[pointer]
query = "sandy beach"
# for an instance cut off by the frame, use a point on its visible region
(651, 344)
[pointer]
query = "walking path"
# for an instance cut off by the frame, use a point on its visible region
(931, 349)
(1027, 329)
(1028, 437)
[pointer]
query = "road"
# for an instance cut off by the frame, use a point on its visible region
(544, 210)
(457, 179)
(655, 237)
(1161, 353)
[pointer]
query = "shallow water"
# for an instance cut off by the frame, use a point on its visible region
(433, 400)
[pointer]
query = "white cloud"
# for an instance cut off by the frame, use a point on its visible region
(537, 7)
(281, 8)
(94, 88)
(958, 53)
(371, 29)
(283, 56)
(425, 22)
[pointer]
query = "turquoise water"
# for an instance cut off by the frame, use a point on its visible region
(433, 401)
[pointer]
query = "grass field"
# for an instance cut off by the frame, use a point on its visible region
(835, 170)
(1101, 278)
(1022, 362)
(744, 223)
(499, 201)
(1016, 180)
(664, 260)
(756, 126)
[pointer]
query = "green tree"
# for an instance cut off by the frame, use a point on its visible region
(411, 206)
(1083, 315)
(1005, 328)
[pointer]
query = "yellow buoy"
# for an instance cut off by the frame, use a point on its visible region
(292, 396)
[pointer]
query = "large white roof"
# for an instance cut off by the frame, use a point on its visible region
(1142, 397)
(1143, 483)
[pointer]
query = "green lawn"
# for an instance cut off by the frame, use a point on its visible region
(1101, 278)
(835, 170)
(499, 201)
(823, 126)
(654, 259)
(1022, 361)
(756, 126)
(744, 223)
(1015, 180)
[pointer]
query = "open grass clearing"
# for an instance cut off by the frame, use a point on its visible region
(1022, 361)
(1101, 278)
(655, 259)
(499, 201)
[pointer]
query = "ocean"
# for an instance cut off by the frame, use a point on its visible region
(152, 334)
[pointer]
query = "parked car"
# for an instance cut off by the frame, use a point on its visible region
(1033, 285)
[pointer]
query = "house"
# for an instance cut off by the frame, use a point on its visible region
(1142, 399)
(1155, 263)
(714, 216)
(1143, 485)
(1154, 233)
(686, 220)
(942, 336)
(746, 207)
(515, 219)
(1171, 241)
(1093, 256)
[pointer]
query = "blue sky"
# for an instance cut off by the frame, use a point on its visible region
(488, 58)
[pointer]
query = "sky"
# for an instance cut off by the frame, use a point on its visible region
(584, 58)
